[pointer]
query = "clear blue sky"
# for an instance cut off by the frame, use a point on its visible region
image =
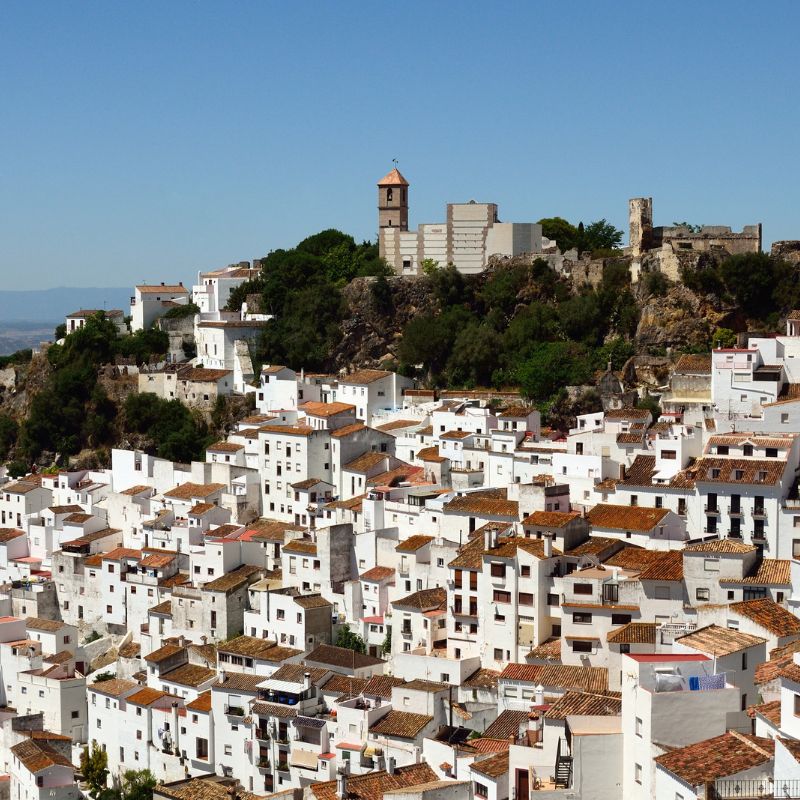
(147, 140)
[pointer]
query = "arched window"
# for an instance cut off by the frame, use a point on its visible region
(389, 193)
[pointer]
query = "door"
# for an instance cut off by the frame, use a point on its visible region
(521, 785)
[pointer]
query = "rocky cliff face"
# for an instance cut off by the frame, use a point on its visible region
(372, 329)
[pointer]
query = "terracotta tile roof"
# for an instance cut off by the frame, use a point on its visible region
(455, 435)
(413, 543)
(312, 601)
(307, 484)
(484, 745)
(627, 413)
(630, 518)
(718, 641)
(792, 745)
(302, 546)
(71, 509)
(295, 673)
(365, 462)
(494, 766)
(596, 546)
(225, 447)
(48, 625)
(288, 430)
(381, 686)
(694, 364)
(344, 684)
(393, 178)
(507, 724)
(374, 785)
(665, 566)
(201, 703)
(130, 650)
(630, 438)
(37, 755)
(378, 573)
(732, 546)
(239, 682)
(549, 650)
(207, 788)
(431, 455)
(739, 439)
(146, 696)
(122, 554)
(508, 546)
(163, 653)
(589, 679)
(169, 288)
(233, 580)
(404, 473)
(779, 659)
(348, 430)
(273, 710)
(770, 711)
(719, 757)
(482, 679)
(157, 560)
(270, 530)
(769, 615)
(752, 471)
(21, 487)
(401, 724)
(550, 519)
(431, 687)
(775, 571)
(353, 504)
(326, 409)
(77, 519)
(397, 424)
(204, 375)
(593, 704)
(188, 491)
(633, 633)
(480, 505)
(341, 657)
(116, 687)
(192, 675)
(423, 600)
(249, 646)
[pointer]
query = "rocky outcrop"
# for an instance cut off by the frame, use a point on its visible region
(680, 319)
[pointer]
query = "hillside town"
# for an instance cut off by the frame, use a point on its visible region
(371, 588)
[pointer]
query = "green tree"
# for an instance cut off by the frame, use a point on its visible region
(137, 784)
(564, 233)
(752, 278)
(600, 235)
(9, 429)
(350, 640)
(723, 337)
(94, 768)
(386, 647)
(474, 355)
(16, 469)
(552, 366)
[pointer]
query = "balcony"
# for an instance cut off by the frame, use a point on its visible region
(283, 766)
(262, 734)
(753, 789)
(709, 509)
(735, 512)
(234, 711)
(264, 763)
(759, 512)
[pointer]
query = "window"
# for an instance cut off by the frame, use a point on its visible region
(498, 570)
(579, 646)
(525, 571)
(582, 588)
(620, 619)
(662, 592)
(502, 597)
(481, 790)
(797, 705)
(703, 594)
(669, 455)
(637, 773)
(498, 654)
(638, 726)
(581, 618)
(228, 750)
(525, 599)
(711, 564)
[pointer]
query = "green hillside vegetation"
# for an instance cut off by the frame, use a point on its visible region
(72, 411)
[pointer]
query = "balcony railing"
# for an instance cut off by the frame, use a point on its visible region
(709, 509)
(753, 789)
(234, 711)
(759, 513)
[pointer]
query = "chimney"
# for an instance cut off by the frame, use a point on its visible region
(204, 639)
(487, 538)
(177, 732)
(182, 640)
(306, 681)
(390, 765)
(341, 781)
(162, 283)
(222, 676)
(538, 695)
(548, 545)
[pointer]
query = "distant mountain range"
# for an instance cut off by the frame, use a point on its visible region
(52, 305)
